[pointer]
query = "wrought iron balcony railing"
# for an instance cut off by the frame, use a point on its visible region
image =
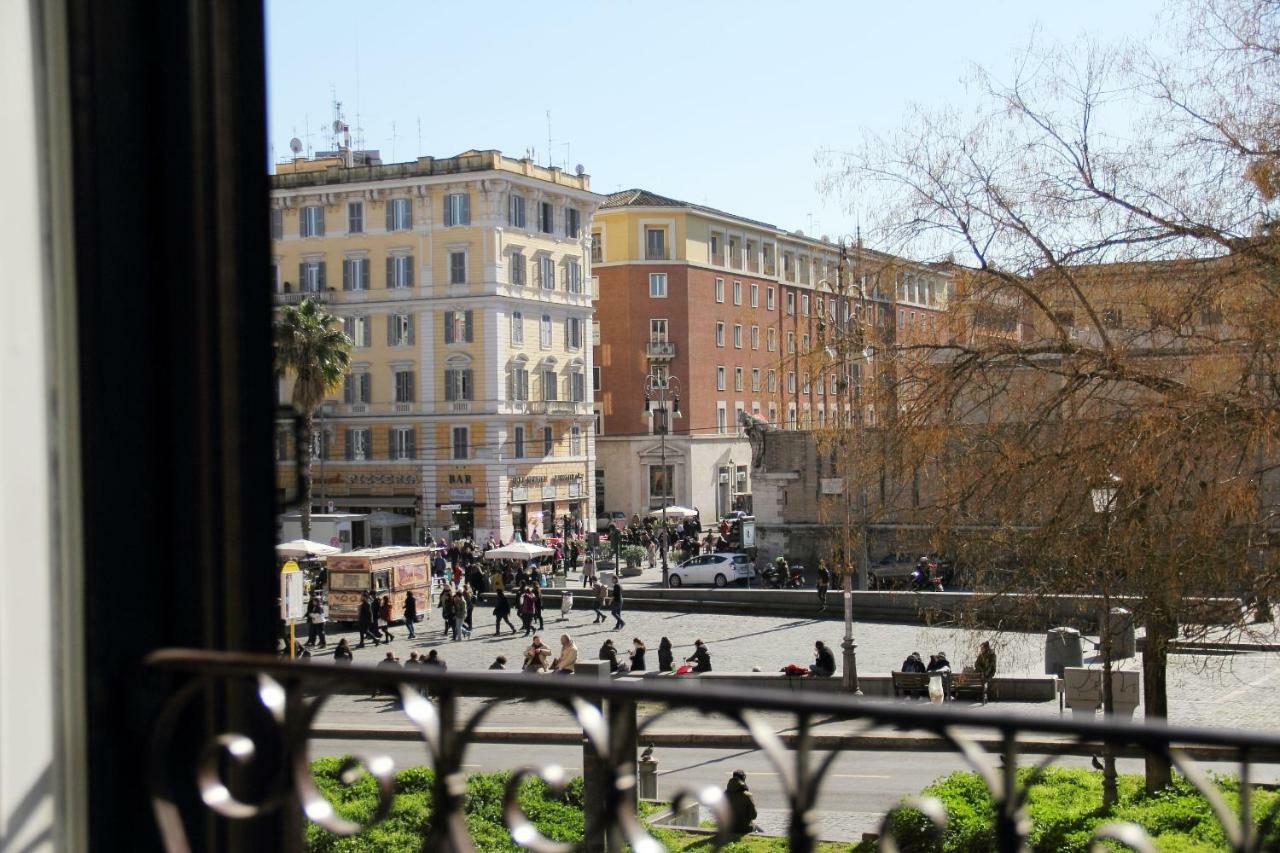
(294, 695)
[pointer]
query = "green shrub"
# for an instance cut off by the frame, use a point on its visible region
(1065, 808)
(633, 555)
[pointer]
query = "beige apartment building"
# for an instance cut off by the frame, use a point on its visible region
(465, 285)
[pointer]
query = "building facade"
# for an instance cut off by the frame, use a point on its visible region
(465, 286)
(744, 315)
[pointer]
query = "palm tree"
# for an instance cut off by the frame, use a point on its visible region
(308, 345)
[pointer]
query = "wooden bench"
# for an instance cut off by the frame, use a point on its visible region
(910, 684)
(969, 684)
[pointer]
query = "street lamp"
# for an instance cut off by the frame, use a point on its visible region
(1103, 498)
(658, 387)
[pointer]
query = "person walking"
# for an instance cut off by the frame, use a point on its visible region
(469, 597)
(563, 665)
(460, 616)
(824, 583)
(528, 609)
(537, 606)
(616, 608)
(315, 622)
(447, 610)
(501, 613)
(384, 618)
(742, 806)
(342, 654)
(985, 664)
(410, 614)
(366, 617)
(665, 658)
(637, 654)
(588, 572)
(598, 605)
(701, 658)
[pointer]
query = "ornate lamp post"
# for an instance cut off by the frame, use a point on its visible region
(658, 388)
(1103, 498)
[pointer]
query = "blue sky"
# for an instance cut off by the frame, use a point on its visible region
(720, 103)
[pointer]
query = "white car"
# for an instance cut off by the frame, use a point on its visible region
(717, 569)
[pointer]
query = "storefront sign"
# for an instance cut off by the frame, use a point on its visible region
(575, 490)
(831, 485)
(462, 495)
(519, 495)
(529, 480)
(565, 478)
(548, 493)
(450, 507)
(293, 601)
(381, 479)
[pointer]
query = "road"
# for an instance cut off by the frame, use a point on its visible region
(860, 787)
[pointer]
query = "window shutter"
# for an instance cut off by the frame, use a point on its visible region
(302, 276)
(349, 441)
(468, 389)
(322, 265)
(408, 271)
(466, 324)
(349, 327)
(366, 385)
(302, 222)
(346, 274)
(448, 385)
(346, 389)
(448, 328)
(391, 329)
(411, 393)
(466, 209)
(412, 449)
(390, 214)
(319, 221)
(408, 321)
(391, 272)
(448, 211)
(408, 214)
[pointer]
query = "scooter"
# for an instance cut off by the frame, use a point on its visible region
(796, 579)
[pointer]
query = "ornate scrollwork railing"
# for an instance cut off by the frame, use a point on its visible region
(294, 694)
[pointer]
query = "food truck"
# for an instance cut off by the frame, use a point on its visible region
(392, 570)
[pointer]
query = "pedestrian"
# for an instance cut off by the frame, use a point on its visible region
(384, 618)
(824, 583)
(913, 663)
(537, 606)
(315, 622)
(367, 617)
(701, 658)
(616, 608)
(389, 662)
(410, 614)
(599, 591)
(433, 659)
(665, 658)
(469, 596)
(609, 653)
(985, 664)
(460, 629)
(564, 664)
(447, 610)
(500, 662)
(939, 663)
(637, 654)
(824, 662)
(528, 609)
(742, 806)
(652, 548)
(342, 654)
(501, 612)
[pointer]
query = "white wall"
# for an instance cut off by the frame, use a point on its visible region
(38, 810)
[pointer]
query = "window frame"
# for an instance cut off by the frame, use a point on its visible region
(658, 278)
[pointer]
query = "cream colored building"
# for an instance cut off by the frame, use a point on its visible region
(465, 284)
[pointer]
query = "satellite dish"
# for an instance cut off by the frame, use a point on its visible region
(295, 145)
(580, 170)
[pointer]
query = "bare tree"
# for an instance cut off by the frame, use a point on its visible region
(1116, 319)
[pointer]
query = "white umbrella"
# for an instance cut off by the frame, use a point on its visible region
(674, 512)
(305, 548)
(517, 551)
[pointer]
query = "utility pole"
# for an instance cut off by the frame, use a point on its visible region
(657, 387)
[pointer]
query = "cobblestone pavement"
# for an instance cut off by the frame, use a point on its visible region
(1237, 690)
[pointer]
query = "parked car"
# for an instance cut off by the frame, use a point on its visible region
(892, 571)
(716, 569)
(603, 521)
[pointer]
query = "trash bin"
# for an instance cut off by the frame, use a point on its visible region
(1124, 643)
(1062, 648)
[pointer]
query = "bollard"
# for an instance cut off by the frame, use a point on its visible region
(648, 779)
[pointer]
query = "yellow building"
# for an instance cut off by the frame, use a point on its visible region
(465, 285)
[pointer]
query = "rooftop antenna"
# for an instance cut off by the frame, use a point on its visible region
(359, 127)
(393, 142)
(549, 154)
(306, 127)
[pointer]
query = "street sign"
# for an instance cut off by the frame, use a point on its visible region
(293, 597)
(450, 507)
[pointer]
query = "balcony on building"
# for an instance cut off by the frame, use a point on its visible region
(292, 297)
(661, 350)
